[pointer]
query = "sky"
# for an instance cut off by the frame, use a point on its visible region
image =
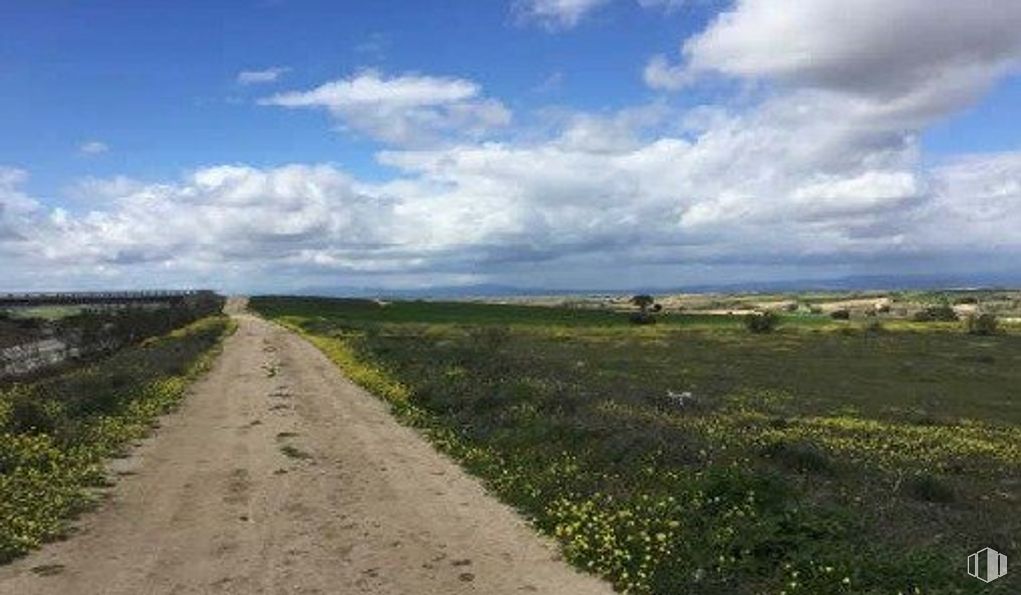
(283, 145)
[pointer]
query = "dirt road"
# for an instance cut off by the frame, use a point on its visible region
(280, 476)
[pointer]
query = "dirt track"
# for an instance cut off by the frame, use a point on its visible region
(213, 504)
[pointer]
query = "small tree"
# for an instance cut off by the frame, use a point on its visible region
(644, 303)
(761, 323)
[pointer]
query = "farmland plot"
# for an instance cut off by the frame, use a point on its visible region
(694, 457)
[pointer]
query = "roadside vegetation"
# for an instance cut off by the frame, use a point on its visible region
(694, 456)
(56, 432)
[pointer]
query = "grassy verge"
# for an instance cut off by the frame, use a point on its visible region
(55, 433)
(817, 459)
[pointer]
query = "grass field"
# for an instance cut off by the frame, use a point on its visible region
(820, 458)
(56, 432)
(50, 313)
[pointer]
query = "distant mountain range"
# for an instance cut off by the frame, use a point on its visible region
(851, 283)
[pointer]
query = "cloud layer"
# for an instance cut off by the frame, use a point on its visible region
(742, 193)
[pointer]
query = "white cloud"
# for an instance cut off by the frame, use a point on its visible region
(746, 191)
(267, 75)
(825, 171)
(407, 109)
(93, 147)
(920, 58)
(976, 205)
(557, 14)
(660, 74)
(216, 215)
(16, 208)
(668, 5)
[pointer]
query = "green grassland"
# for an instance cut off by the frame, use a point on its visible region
(820, 458)
(56, 432)
(50, 313)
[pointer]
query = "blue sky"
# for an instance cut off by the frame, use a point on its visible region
(157, 81)
(598, 143)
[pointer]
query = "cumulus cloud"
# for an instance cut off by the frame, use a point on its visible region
(407, 109)
(745, 192)
(219, 213)
(921, 58)
(267, 75)
(93, 147)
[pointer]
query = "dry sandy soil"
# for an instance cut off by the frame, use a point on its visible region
(357, 503)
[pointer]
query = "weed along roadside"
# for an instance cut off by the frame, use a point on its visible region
(56, 432)
(694, 456)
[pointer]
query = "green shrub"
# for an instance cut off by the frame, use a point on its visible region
(802, 457)
(982, 324)
(929, 488)
(761, 323)
(646, 306)
(642, 318)
(941, 313)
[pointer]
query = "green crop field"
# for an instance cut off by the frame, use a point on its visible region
(692, 456)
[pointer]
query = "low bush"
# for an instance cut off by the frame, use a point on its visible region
(941, 313)
(642, 318)
(802, 457)
(929, 488)
(842, 314)
(761, 323)
(982, 324)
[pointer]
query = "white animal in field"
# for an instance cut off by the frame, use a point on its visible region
(680, 399)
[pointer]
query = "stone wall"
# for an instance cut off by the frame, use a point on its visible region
(36, 355)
